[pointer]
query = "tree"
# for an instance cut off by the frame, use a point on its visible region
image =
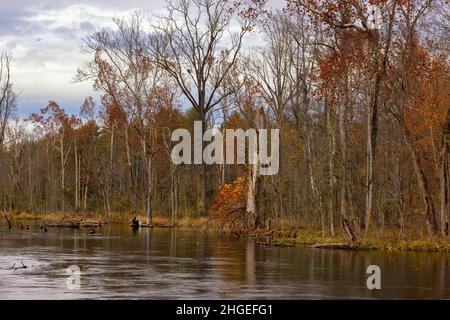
(408, 76)
(7, 94)
(189, 44)
(250, 102)
(354, 15)
(123, 69)
(272, 68)
(58, 126)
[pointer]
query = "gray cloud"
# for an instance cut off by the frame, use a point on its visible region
(45, 37)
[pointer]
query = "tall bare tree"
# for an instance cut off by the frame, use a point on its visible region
(272, 68)
(123, 70)
(7, 94)
(197, 42)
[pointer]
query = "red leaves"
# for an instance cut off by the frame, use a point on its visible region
(54, 118)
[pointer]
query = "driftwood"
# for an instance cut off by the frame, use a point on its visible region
(145, 225)
(90, 224)
(346, 246)
(73, 224)
(61, 224)
(13, 267)
(8, 219)
(252, 235)
(230, 219)
(282, 244)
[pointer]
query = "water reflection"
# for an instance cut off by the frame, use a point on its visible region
(166, 263)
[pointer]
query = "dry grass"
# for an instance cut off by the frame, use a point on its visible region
(115, 218)
(286, 232)
(391, 240)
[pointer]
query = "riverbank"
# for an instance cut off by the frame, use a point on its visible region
(100, 219)
(390, 241)
(117, 263)
(285, 233)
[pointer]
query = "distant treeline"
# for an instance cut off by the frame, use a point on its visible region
(362, 107)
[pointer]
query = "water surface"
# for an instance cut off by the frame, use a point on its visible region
(117, 263)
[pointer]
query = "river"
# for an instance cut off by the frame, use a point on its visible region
(117, 263)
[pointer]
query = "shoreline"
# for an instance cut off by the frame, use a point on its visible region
(284, 236)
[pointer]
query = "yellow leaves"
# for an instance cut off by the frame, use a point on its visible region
(230, 196)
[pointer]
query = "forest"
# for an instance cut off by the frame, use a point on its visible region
(359, 90)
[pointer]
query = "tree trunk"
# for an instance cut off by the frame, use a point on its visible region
(372, 130)
(148, 158)
(63, 173)
(431, 223)
(174, 193)
(445, 208)
(251, 215)
(130, 170)
(399, 195)
(346, 224)
(332, 157)
(111, 169)
(203, 175)
(77, 192)
(85, 199)
(30, 188)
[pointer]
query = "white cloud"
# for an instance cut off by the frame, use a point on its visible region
(45, 38)
(46, 51)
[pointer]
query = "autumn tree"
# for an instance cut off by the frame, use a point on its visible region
(410, 98)
(58, 126)
(250, 103)
(194, 44)
(361, 104)
(337, 75)
(122, 69)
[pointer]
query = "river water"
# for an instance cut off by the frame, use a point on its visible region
(117, 263)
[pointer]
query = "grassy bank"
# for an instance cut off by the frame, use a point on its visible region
(286, 233)
(115, 218)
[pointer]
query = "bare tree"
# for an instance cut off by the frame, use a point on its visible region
(272, 67)
(190, 44)
(59, 127)
(122, 69)
(7, 94)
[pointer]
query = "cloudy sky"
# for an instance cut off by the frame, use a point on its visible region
(45, 38)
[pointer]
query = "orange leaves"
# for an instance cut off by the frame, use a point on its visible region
(53, 118)
(429, 92)
(230, 197)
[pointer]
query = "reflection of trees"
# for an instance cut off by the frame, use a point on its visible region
(164, 260)
(231, 259)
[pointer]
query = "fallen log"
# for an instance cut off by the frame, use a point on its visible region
(146, 225)
(13, 267)
(61, 224)
(90, 224)
(254, 235)
(271, 244)
(345, 246)
(72, 225)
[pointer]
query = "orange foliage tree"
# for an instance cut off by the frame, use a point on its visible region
(229, 207)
